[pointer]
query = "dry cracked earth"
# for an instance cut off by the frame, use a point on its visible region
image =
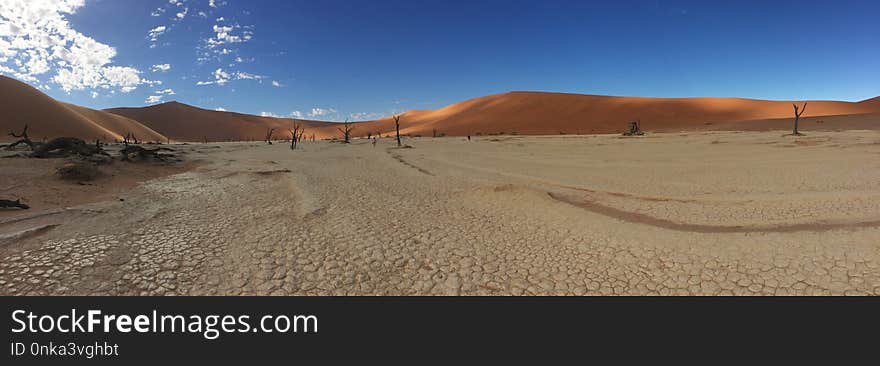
(665, 214)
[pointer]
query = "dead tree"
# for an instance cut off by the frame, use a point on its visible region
(635, 129)
(397, 128)
(66, 146)
(269, 135)
(296, 135)
(797, 116)
(136, 153)
(13, 204)
(130, 138)
(22, 139)
(346, 131)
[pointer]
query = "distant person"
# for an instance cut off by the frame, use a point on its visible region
(469, 137)
(374, 142)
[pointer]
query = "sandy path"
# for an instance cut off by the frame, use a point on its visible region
(536, 215)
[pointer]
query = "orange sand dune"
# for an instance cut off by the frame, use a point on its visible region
(48, 118)
(187, 123)
(527, 113)
(534, 113)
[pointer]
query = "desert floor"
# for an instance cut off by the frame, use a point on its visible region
(700, 213)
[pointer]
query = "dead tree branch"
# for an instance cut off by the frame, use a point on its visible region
(296, 135)
(635, 129)
(346, 131)
(797, 116)
(136, 153)
(269, 133)
(66, 146)
(23, 139)
(397, 128)
(13, 204)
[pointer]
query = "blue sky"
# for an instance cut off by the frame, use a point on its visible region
(334, 59)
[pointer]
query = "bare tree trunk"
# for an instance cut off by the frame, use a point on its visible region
(397, 128)
(346, 131)
(296, 135)
(635, 129)
(269, 136)
(797, 116)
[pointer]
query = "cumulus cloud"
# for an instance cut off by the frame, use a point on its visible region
(366, 116)
(153, 34)
(215, 3)
(297, 114)
(224, 36)
(269, 114)
(161, 68)
(276, 84)
(153, 99)
(36, 38)
(318, 112)
(222, 77)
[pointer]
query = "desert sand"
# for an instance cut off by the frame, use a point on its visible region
(685, 213)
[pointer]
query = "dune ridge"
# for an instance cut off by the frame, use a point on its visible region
(187, 123)
(517, 112)
(48, 118)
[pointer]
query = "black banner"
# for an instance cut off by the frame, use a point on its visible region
(335, 329)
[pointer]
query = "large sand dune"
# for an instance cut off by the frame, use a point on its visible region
(525, 113)
(187, 123)
(48, 118)
(533, 113)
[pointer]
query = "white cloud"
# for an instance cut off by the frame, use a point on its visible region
(239, 75)
(166, 92)
(366, 116)
(161, 67)
(318, 112)
(297, 114)
(269, 114)
(216, 4)
(224, 36)
(276, 84)
(36, 38)
(158, 12)
(153, 99)
(94, 95)
(222, 77)
(220, 109)
(182, 14)
(153, 34)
